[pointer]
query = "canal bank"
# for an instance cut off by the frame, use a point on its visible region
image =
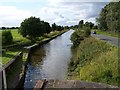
(50, 61)
(95, 61)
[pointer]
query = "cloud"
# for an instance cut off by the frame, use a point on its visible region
(57, 1)
(11, 16)
(70, 13)
(62, 12)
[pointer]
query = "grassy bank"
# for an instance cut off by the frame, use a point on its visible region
(107, 33)
(95, 61)
(8, 54)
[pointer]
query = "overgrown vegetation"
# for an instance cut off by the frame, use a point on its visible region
(96, 61)
(79, 35)
(6, 37)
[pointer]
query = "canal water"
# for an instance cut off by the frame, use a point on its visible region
(50, 61)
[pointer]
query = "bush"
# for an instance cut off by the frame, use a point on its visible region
(76, 37)
(87, 31)
(7, 37)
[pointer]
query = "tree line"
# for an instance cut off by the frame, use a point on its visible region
(4, 28)
(109, 18)
(34, 27)
(30, 28)
(82, 25)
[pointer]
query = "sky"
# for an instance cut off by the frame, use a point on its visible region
(61, 12)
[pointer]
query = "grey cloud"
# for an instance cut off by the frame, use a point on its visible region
(59, 14)
(92, 8)
(96, 8)
(74, 11)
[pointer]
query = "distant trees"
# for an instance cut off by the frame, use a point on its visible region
(89, 24)
(66, 27)
(57, 27)
(3, 28)
(109, 18)
(82, 25)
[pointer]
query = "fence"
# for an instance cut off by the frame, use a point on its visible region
(11, 72)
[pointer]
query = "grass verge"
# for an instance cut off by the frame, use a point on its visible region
(106, 33)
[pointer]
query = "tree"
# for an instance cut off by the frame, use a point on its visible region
(95, 27)
(59, 28)
(113, 17)
(47, 27)
(43, 27)
(31, 27)
(66, 27)
(109, 17)
(3, 28)
(13, 27)
(89, 24)
(81, 24)
(102, 24)
(54, 27)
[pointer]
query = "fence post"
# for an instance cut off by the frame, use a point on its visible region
(4, 79)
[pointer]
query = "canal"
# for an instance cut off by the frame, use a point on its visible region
(50, 61)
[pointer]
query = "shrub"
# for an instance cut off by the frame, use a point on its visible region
(87, 31)
(7, 37)
(76, 37)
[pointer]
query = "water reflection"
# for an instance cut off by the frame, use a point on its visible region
(50, 61)
(37, 57)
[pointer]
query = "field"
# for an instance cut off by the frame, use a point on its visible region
(16, 35)
(95, 61)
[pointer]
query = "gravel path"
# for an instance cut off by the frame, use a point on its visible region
(112, 40)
